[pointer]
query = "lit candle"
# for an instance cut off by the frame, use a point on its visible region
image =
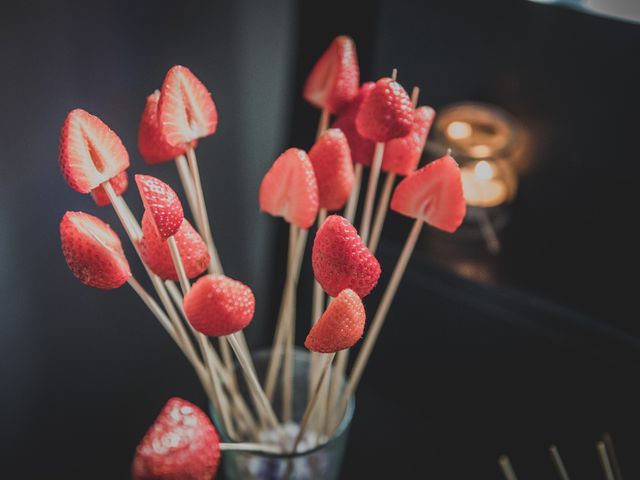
(482, 187)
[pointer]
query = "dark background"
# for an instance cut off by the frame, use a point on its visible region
(481, 355)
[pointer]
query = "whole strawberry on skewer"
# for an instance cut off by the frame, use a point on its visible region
(289, 190)
(182, 443)
(334, 79)
(401, 157)
(385, 113)
(220, 306)
(433, 195)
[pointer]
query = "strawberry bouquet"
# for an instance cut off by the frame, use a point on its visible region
(376, 126)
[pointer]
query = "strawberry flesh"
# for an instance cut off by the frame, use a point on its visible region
(340, 326)
(93, 251)
(155, 251)
(289, 189)
(433, 194)
(162, 203)
(340, 259)
(333, 81)
(90, 153)
(186, 110)
(385, 113)
(182, 444)
(331, 161)
(218, 306)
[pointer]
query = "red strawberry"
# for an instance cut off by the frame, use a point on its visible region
(433, 194)
(152, 144)
(119, 183)
(289, 189)
(402, 155)
(90, 153)
(361, 148)
(182, 444)
(162, 203)
(93, 251)
(340, 326)
(334, 79)
(217, 305)
(341, 260)
(385, 113)
(331, 160)
(186, 110)
(155, 251)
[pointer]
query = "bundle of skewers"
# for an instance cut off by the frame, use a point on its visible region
(376, 126)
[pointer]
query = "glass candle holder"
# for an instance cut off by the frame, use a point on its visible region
(312, 461)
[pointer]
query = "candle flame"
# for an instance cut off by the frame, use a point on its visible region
(458, 130)
(483, 170)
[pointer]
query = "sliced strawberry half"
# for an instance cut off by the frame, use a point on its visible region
(93, 251)
(340, 259)
(119, 183)
(152, 144)
(185, 110)
(289, 189)
(433, 194)
(340, 326)
(361, 148)
(182, 444)
(331, 161)
(334, 79)
(90, 153)
(162, 203)
(155, 251)
(385, 113)
(218, 306)
(402, 155)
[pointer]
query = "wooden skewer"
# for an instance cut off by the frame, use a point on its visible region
(215, 264)
(381, 313)
(153, 306)
(604, 461)
(323, 124)
(372, 186)
(385, 195)
(260, 399)
(291, 282)
(326, 359)
(316, 310)
(608, 441)
(189, 189)
(352, 203)
(250, 447)
(558, 463)
(507, 469)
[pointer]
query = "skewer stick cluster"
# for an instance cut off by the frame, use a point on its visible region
(376, 126)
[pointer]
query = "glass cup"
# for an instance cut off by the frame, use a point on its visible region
(321, 461)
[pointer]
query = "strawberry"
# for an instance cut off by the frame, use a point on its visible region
(152, 144)
(340, 326)
(162, 203)
(186, 110)
(361, 148)
(433, 194)
(341, 260)
(155, 251)
(385, 113)
(182, 444)
(93, 251)
(402, 155)
(289, 189)
(90, 153)
(119, 183)
(217, 305)
(334, 79)
(331, 161)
